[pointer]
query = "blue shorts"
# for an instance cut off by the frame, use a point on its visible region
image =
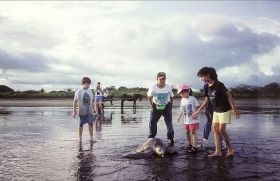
(86, 119)
(98, 98)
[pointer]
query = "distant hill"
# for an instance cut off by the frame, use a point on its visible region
(4, 88)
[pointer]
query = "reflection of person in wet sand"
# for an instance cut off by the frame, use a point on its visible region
(223, 104)
(98, 124)
(84, 99)
(85, 163)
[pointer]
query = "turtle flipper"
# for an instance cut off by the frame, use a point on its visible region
(139, 155)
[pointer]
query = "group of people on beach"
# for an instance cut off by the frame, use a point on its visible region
(218, 106)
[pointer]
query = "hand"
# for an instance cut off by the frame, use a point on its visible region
(195, 115)
(235, 113)
(74, 114)
(178, 121)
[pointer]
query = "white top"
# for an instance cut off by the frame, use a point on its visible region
(98, 92)
(161, 96)
(85, 99)
(188, 106)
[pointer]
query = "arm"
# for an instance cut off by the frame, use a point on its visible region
(204, 103)
(150, 99)
(150, 96)
(234, 109)
(171, 100)
(74, 108)
(180, 116)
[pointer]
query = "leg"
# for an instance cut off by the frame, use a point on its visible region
(90, 130)
(217, 133)
(111, 100)
(134, 104)
(168, 121)
(188, 135)
(96, 107)
(80, 132)
(227, 139)
(122, 101)
(100, 108)
(207, 126)
(154, 117)
(194, 138)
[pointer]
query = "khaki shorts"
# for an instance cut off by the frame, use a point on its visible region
(222, 118)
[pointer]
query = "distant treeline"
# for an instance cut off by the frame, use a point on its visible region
(271, 90)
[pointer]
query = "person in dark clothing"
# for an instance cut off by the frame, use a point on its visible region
(223, 105)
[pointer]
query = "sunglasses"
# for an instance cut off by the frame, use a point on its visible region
(162, 79)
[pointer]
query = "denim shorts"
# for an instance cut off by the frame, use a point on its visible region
(87, 119)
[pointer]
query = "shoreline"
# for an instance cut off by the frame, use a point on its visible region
(67, 102)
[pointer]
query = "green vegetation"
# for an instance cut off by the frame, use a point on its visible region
(271, 90)
(6, 89)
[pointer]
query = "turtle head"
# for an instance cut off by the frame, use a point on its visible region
(160, 150)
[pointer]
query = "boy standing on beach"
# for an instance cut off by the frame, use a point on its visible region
(84, 99)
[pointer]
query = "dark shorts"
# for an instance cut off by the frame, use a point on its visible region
(87, 119)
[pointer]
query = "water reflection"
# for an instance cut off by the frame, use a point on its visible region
(108, 117)
(4, 111)
(221, 168)
(103, 119)
(86, 163)
(37, 146)
(133, 110)
(130, 120)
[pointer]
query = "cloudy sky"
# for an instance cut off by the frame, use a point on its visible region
(53, 44)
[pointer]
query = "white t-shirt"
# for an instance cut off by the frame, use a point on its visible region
(188, 106)
(85, 99)
(161, 96)
(98, 92)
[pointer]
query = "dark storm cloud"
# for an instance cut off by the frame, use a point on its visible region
(228, 46)
(30, 62)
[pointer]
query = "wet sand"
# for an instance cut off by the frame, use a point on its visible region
(40, 143)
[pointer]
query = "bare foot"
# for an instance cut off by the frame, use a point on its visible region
(230, 152)
(215, 155)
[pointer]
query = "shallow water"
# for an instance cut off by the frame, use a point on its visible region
(40, 143)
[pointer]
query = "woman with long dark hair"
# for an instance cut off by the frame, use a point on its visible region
(218, 95)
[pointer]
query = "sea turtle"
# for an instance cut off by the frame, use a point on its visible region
(153, 146)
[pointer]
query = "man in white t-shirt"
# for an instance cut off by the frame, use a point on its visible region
(160, 97)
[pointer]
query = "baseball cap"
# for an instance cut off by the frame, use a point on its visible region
(183, 86)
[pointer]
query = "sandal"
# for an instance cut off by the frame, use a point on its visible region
(193, 150)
